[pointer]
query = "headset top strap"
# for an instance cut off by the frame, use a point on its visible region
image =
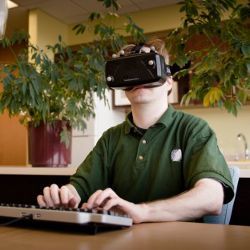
(137, 48)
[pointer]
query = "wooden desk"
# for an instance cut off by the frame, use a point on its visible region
(148, 236)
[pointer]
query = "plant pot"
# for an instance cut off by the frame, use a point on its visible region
(45, 146)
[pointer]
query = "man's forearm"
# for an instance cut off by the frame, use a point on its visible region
(205, 198)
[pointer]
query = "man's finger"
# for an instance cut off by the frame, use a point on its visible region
(107, 194)
(92, 199)
(73, 203)
(47, 197)
(54, 191)
(40, 200)
(112, 203)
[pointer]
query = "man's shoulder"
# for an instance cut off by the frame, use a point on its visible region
(116, 129)
(110, 136)
(190, 123)
(188, 118)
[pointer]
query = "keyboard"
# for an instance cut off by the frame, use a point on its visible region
(65, 215)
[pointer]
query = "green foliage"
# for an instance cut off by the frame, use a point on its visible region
(108, 35)
(220, 68)
(110, 3)
(45, 90)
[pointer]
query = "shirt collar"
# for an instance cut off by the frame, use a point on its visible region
(166, 119)
(128, 123)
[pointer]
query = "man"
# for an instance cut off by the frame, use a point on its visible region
(158, 165)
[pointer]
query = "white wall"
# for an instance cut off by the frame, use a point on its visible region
(226, 127)
(105, 117)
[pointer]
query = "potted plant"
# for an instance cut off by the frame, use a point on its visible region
(54, 95)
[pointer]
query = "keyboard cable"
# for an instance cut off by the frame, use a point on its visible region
(25, 217)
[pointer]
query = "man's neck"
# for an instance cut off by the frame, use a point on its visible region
(146, 115)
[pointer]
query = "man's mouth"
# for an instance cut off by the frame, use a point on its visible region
(134, 88)
(141, 87)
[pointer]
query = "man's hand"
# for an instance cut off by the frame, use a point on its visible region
(53, 196)
(206, 197)
(108, 200)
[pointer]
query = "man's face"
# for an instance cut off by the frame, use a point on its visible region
(144, 95)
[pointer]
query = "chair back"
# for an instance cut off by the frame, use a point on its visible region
(225, 215)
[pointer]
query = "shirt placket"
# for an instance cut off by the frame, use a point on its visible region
(143, 148)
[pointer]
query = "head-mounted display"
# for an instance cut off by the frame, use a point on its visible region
(147, 69)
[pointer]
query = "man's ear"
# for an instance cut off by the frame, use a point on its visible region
(169, 83)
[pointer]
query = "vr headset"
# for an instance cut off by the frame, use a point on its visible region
(137, 68)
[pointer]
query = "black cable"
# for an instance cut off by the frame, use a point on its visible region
(25, 217)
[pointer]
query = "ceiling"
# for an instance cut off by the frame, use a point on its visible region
(73, 11)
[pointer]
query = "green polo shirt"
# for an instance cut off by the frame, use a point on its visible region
(169, 158)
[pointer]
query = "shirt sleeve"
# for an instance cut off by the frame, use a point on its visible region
(203, 159)
(92, 174)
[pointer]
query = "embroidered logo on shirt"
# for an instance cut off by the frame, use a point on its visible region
(176, 155)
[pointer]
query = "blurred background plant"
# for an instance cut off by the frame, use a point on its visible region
(214, 38)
